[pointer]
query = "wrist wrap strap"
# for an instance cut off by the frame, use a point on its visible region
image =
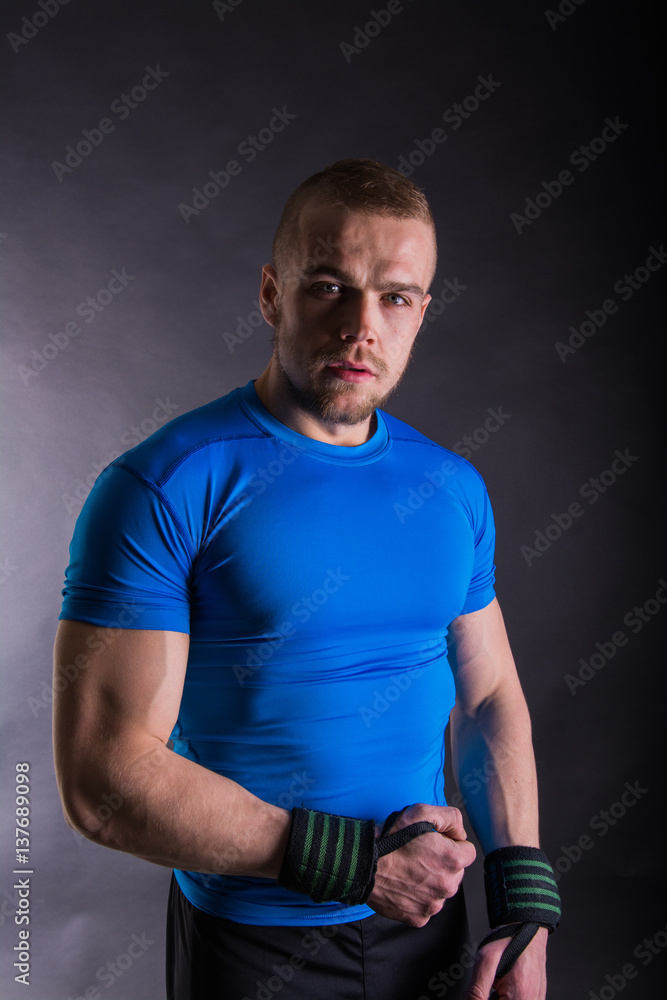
(521, 890)
(521, 935)
(335, 857)
(520, 886)
(387, 843)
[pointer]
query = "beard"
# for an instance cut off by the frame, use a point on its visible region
(327, 397)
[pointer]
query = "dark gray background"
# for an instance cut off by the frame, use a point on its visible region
(162, 338)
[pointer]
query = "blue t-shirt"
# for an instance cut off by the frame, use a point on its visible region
(317, 583)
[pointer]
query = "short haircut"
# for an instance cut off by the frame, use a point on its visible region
(361, 185)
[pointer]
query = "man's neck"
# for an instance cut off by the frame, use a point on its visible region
(275, 398)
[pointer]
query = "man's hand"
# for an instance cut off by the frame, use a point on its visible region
(413, 882)
(526, 980)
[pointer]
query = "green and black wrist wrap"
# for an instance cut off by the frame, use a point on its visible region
(521, 890)
(332, 857)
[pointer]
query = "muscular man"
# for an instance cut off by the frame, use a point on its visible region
(253, 645)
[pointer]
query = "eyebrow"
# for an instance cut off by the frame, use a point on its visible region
(345, 278)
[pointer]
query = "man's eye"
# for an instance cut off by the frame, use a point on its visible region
(396, 299)
(328, 287)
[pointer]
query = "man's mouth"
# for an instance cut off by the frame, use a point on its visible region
(350, 372)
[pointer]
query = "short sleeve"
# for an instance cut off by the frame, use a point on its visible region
(130, 558)
(481, 590)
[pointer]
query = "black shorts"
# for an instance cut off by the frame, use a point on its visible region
(210, 958)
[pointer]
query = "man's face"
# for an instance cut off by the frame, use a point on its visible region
(347, 309)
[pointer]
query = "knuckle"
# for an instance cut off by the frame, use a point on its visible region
(442, 887)
(456, 814)
(452, 887)
(452, 858)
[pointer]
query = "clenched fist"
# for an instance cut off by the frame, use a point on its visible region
(412, 883)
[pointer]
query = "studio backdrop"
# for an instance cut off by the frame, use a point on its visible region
(149, 149)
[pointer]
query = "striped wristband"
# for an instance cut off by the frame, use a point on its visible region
(521, 890)
(520, 886)
(335, 857)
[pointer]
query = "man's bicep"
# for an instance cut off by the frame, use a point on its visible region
(116, 698)
(481, 658)
(111, 683)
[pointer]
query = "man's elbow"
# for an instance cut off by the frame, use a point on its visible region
(73, 821)
(91, 815)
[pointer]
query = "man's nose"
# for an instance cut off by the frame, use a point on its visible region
(360, 320)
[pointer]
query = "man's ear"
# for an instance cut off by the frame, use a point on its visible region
(427, 299)
(269, 294)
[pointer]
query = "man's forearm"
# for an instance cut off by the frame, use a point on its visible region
(169, 810)
(494, 765)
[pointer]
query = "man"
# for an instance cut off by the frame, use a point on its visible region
(284, 603)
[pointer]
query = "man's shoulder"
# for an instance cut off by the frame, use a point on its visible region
(400, 431)
(187, 435)
(430, 454)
